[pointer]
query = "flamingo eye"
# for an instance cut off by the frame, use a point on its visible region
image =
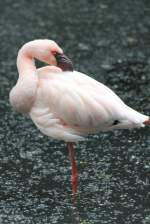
(54, 52)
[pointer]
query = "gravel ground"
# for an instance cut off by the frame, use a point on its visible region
(110, 41)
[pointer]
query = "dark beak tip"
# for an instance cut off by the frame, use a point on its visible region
(64, 62)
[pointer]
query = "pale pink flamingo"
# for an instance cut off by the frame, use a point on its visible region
(66, 104)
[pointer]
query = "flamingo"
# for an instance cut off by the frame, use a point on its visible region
(65, 104)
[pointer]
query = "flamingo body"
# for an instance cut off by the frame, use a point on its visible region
(69, 105)
(66, 105)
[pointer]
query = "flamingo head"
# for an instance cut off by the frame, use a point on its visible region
(49, 52)
(44, 50)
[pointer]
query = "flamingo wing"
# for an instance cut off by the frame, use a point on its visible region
(81, 101)
(70, 105)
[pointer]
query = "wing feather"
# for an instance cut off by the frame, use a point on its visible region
(79, 100)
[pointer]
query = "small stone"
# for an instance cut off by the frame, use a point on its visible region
(131, 40)
(83, 46)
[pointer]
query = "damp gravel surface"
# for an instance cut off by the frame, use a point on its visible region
(110, 41)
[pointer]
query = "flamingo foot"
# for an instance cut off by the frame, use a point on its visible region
(74, 172)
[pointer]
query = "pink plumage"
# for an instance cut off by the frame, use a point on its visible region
(66, 105)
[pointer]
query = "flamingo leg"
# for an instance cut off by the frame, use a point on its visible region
(74, 172)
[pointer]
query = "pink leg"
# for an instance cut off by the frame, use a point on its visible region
(74, 172)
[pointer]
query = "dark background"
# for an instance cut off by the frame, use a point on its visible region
(110, 41)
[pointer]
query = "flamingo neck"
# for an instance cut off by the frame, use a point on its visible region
(23, 94)
(25, 61)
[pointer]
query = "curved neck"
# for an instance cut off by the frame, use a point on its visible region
(25, 61)
(23, 94)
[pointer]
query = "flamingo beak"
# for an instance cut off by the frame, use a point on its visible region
(63, 62)
(147, 122)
